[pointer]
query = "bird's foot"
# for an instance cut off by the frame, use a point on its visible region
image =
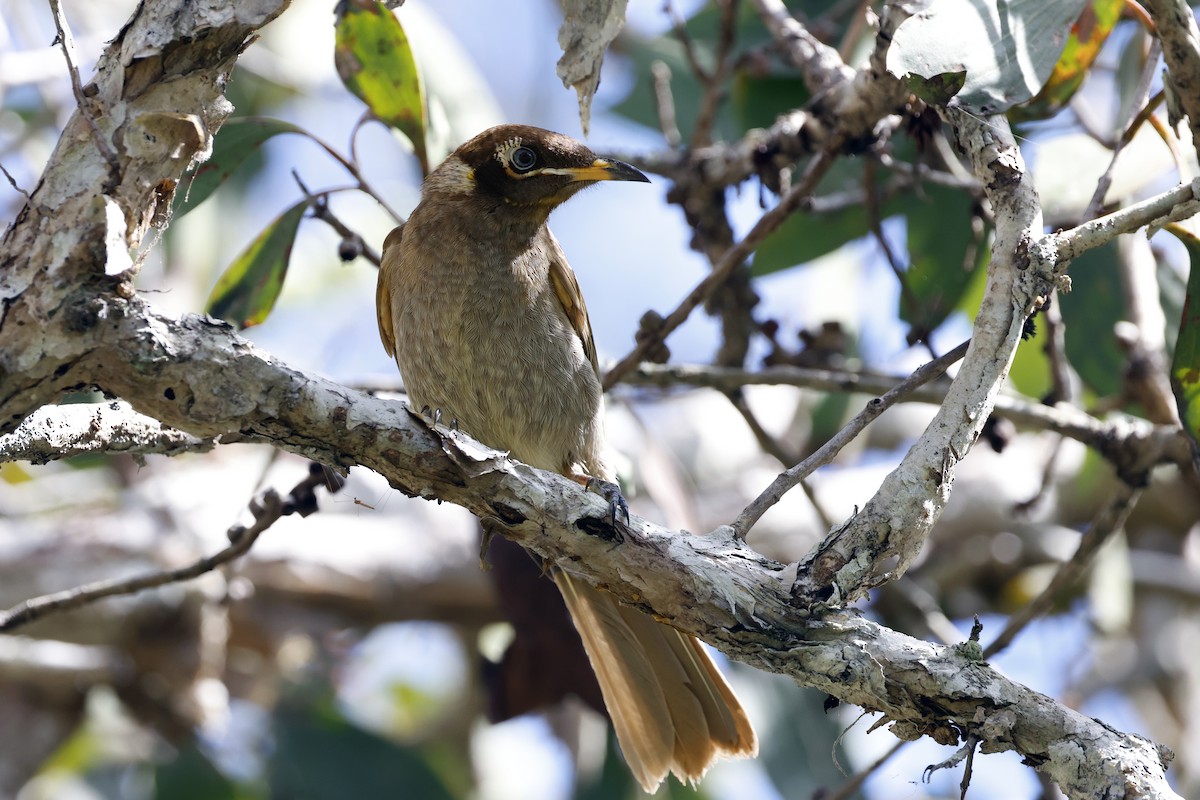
(433, 417)
(612, 493)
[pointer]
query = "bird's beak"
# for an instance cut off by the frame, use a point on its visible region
(604, 169)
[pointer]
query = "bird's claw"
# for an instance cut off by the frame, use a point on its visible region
(434, 416)
(612, 493)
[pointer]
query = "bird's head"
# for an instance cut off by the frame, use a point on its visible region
(525, 167)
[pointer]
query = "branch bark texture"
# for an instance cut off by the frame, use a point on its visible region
(880, 542)
(69, 319)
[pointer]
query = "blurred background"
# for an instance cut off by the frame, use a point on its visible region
(340, 658)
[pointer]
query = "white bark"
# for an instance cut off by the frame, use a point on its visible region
(68, 322)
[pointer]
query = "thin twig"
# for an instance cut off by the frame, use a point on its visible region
(1139, 13)
(1175, 204)
(679, 26)
(772, 446)
(350, 167)
(875, 224)
(85, 109)
(1062, 381)
(733, 257)
(775, 448)
(1107, 521)
(361, 122)
(1122, 437)
(1172, 142)
(1062, 390)
(664, 102)
(820, 65)
(1142, 334)
(13, 182)
(241, 540)
(786, 480)
(854, 30)
(301, 500)
(852, 787)
(319, 203)
(1049, 467)
(715, 82)
(1141, 93)
(968, 770)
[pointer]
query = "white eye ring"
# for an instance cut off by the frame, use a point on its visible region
(522, 159)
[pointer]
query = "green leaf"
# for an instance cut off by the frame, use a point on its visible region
(375, 61)
(191, 776)
(757, 101)
(1088, 35)
(1030, 372)
(939, 240)
(1007, 49)
(1185, 366)
(247, 291)
(1090, 310)
(939, 89)
(237, 140)
(318, 755)
(805, 236)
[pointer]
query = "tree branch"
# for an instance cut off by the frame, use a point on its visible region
(787, 479)
(879, 543)
(66, 324)
(56, 432)
(1123, 439)
(1176, 26)
(1110, 520)
(741, 606)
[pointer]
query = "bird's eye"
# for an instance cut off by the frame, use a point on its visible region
(522, 159)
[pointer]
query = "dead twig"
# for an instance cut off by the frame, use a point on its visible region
(267, 510)
(786, 480)
(85, 109)
(733, 257)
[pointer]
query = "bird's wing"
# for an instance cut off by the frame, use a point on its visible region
(383, 289)
(566, 288)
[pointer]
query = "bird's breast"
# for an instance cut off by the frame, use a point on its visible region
(481, 336)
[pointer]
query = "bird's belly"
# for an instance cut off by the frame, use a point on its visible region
(515, 385)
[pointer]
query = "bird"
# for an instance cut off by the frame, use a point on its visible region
(486, 321)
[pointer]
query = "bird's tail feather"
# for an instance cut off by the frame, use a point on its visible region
(671, 708)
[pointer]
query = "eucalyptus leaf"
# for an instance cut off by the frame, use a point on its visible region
(1007, 50)
(1185, 365)
(1090, 310)
(806, 235)
(939, 238)
(375, 61)
(1088, 35)
(247, 291)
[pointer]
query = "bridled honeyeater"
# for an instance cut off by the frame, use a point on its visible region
(485, 318)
